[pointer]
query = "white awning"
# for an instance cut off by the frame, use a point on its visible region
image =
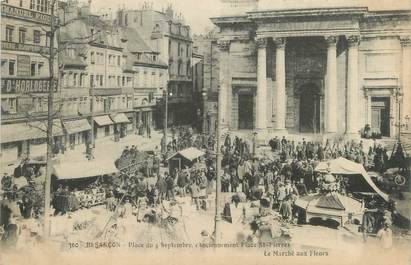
(190, 154)
(26, 131)
(120, 118)
(84, 169)
(103, 120)
(76, 126)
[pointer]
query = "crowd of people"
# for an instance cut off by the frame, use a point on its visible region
(278, 177)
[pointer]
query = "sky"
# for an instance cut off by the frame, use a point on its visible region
(195, 12)
(198, 12)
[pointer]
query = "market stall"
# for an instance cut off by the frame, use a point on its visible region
(80, 178)
(357, 177)
(184, 158)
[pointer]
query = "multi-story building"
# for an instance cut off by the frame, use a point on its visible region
(25, 77)
(319, 69)
(206, 45)
(167, 33)
(94, 48)
(199, 94)
(149, 79)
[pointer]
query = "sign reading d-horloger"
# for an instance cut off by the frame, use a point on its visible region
(27, 86)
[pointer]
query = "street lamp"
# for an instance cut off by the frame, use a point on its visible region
(217, 220)
(166, 115)
(204, 97)
(399, 124)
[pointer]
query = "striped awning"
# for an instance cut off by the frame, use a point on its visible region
(76, 126)
(120, 118)
(103, 120)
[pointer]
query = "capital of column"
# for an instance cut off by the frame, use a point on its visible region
(405, 41)
(353, 40)
(223, 45)
(331, 40)
(261, 42)
(280, 42)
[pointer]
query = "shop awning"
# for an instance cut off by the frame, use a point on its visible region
(26, 131)
(42, 126)
(103, 120)
(76, 126)
(120, 118)
(86, 169)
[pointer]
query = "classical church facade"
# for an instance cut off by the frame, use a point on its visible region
(315, 70)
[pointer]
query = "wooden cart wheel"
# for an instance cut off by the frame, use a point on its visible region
(399, 180)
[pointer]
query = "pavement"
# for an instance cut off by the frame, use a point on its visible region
(105, 149)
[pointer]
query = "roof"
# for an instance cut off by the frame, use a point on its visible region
(84, 169)
(342, 166)
(76, 126)
(190, 153)
(90, 30)
(321, 204)
(32, 130)
(134, 42)
(103, 120)
(120, 118)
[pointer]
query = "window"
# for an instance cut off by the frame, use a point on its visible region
(92, 59)
(123, 81)
(109, 59)
(179, 68)
(187, 50)
(12, 63)
(154, 58)
(118, 81)
(36, 36)
(188, 68)
(91, 80)
(33, 69)
(118, 60)
(80, 81)
(47, 39)
(3, 66)
(9, 33)
(38, 7)
(32, 4)
(13, 104)
(101, 80)
(22, 35)
(40, 68)
(179, 50)
(75, 80)
(21, 3)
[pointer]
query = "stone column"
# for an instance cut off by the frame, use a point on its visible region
(224, 47)
(352, 85)
(261, 106)
(331, 94)
(406, 80)
(281, 100)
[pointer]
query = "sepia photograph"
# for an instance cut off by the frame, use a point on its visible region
(205, 132)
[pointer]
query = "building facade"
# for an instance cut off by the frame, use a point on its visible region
(206, 45)
(315, 70)
(168, 35)
(25, 81)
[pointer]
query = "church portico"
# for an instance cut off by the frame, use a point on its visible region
(306, 70)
